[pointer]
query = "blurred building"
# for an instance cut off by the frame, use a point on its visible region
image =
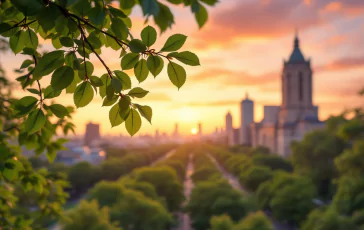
(284, 123)
(176, 130)
(246, 118)
(297, 115)
(199, 129)
(92, 133)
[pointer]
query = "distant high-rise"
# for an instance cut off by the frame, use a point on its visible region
(176, 130)
(247, 117)
(228, 123)
(156, 135)
(200, 129)
(92, 133)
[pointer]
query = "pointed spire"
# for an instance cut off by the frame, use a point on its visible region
(296, 40)
(246, 95)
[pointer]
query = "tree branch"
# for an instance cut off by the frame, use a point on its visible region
(92, 49)
(40, 88)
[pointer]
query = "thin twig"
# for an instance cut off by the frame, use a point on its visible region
(92, 49)
(40, 88)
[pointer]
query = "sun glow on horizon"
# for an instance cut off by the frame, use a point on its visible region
(193, 131)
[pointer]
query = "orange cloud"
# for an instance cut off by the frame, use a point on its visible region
(257, 19)
(236, 78)
(342, 64)
(332, 7)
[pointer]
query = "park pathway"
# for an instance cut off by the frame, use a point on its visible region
(234, 182)
(164, 157)
(184, 218)
(57, 225)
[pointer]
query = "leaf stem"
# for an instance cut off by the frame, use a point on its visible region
(40, 88)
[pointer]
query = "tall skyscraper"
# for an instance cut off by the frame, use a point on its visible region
(200, 129)
(228, 123)
(176, 130)
(247, 118)
(156, 136)
(92, 133)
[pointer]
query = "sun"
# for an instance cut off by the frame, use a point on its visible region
(194, 131)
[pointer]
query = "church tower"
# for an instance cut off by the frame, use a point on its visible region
(296, 87)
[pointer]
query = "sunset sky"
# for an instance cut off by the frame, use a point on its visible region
(241, 49)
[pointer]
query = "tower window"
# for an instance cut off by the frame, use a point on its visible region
(288, 87)
(300, 86)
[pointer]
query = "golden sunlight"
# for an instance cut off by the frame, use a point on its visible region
(194, 131)
(187, 114)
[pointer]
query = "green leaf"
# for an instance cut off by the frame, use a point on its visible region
(116, 12)
(116, 84)
(35, 121)
(176, 74)
(119, 28)
(108, 102)
(31, 39)
(70, 57)
(83, 94)
(114, 116)
(201, 16)
(26, 63)
(97, 15)
(133, 122)
(186, 57)
(28, 7)
(137, 46)
(10, 174)
(124, 78)
(49, 92)
(112, 43)
(165, 18)
(124, 104)
(34, 91)
(150, 7)
(72, 87)
(48, 63)
(94, 40)
(174, 42)
(66, 41)
(62, 78)
(4, 27)
(59, 110)
(138, 92)
(145, 111)
(56, 43)
(95, 81)
(110, 91)
(106, 82)
(155, 64)
(12, 168)
(149, 36)
(129, 61)
(82, 73)
(51, 154)
(25, 105)
(17, 41)
(141, 70)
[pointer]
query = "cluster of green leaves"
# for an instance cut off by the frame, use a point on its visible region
(77, 30)
(84, 27)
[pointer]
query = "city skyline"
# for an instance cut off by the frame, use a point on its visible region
(250, 62)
